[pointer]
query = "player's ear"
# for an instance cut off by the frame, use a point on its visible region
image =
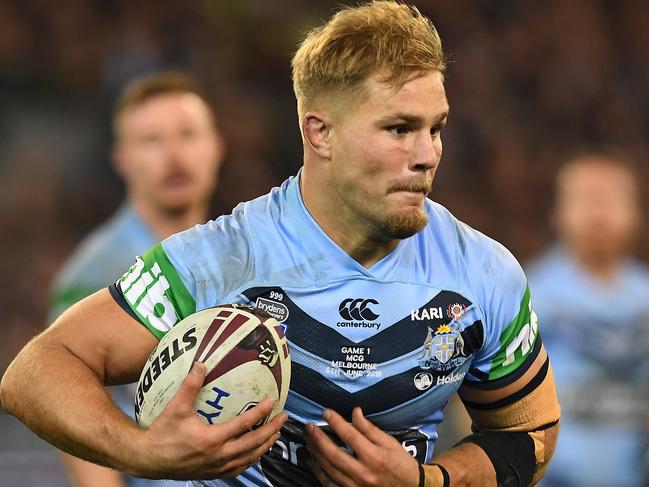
(316, 127)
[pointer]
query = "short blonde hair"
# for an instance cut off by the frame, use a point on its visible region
(385, 37)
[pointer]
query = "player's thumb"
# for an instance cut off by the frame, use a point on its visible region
(190, 386)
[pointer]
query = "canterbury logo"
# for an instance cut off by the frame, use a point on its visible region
(357, 309)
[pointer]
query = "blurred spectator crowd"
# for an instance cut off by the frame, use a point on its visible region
(529, 83)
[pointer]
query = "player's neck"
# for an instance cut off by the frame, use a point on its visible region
(345, 230)
(363, 249)
(166, 223)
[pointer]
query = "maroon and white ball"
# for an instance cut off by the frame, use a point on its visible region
(245, 355)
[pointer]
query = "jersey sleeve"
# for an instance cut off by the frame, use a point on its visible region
(154, 292)
(203, 266)
(511, 340)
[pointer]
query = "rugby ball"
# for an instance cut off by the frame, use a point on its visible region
(246, 359)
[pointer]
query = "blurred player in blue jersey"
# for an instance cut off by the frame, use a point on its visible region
(168, 151)
(592, 299)
(390, 304)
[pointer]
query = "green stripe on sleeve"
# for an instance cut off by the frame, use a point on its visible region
(183, 300)
(156, 293)
(516, 341)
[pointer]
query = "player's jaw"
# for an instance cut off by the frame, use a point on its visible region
(404, 213)
(403, 223)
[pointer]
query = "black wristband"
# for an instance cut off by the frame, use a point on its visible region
(511, 453)
(447, 477)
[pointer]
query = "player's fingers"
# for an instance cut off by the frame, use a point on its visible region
(245, 422)
(320, 474)
(322, 447)
(347, 432)
(183, 400)
(253, 439)
(328, 473)
(365, 426)
(247, 458)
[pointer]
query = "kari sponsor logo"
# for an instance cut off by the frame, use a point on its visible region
(422, 314)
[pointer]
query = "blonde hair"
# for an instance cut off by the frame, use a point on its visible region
(383, 37)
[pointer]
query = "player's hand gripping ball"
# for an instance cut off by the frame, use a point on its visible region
(246, 360)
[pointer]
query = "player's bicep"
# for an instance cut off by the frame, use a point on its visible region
(526, 402)
(99, 332)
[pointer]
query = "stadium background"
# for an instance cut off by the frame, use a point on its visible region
(529, 83)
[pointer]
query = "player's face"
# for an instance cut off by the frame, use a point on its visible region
(597, 209)
(385, 153)
(169, 152)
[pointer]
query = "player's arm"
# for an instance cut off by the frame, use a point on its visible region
(515, 431)
(509, 391)
(81, 472)
(55, 386)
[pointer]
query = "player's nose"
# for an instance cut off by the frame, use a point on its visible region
(427, 152)
(174, 151)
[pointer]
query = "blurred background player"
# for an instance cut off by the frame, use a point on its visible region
(592, 299)
(168, 152)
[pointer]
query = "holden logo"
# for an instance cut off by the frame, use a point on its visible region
(423, 380)
(357, 309)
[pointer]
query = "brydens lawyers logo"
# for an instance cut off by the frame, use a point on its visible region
(357, 313)
(357, 309)
(275, 309)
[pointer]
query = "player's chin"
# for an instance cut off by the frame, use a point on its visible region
(176, 202)
(405, 223)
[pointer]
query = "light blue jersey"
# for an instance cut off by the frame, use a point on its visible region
(97, 262)
(598, 337)
(447, 305)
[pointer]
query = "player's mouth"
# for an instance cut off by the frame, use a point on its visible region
(177, 180)
(410, 198)
(411, 194)
(416, 187)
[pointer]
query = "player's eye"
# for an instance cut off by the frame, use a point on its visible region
(399, 129)
(188, 134)
(437, 129)
(150, 139)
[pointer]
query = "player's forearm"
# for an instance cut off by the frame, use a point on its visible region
(467, 465)
(491, 458)
(56, 395)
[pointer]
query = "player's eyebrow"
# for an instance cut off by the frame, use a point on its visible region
(441, 117)
(414, 119)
